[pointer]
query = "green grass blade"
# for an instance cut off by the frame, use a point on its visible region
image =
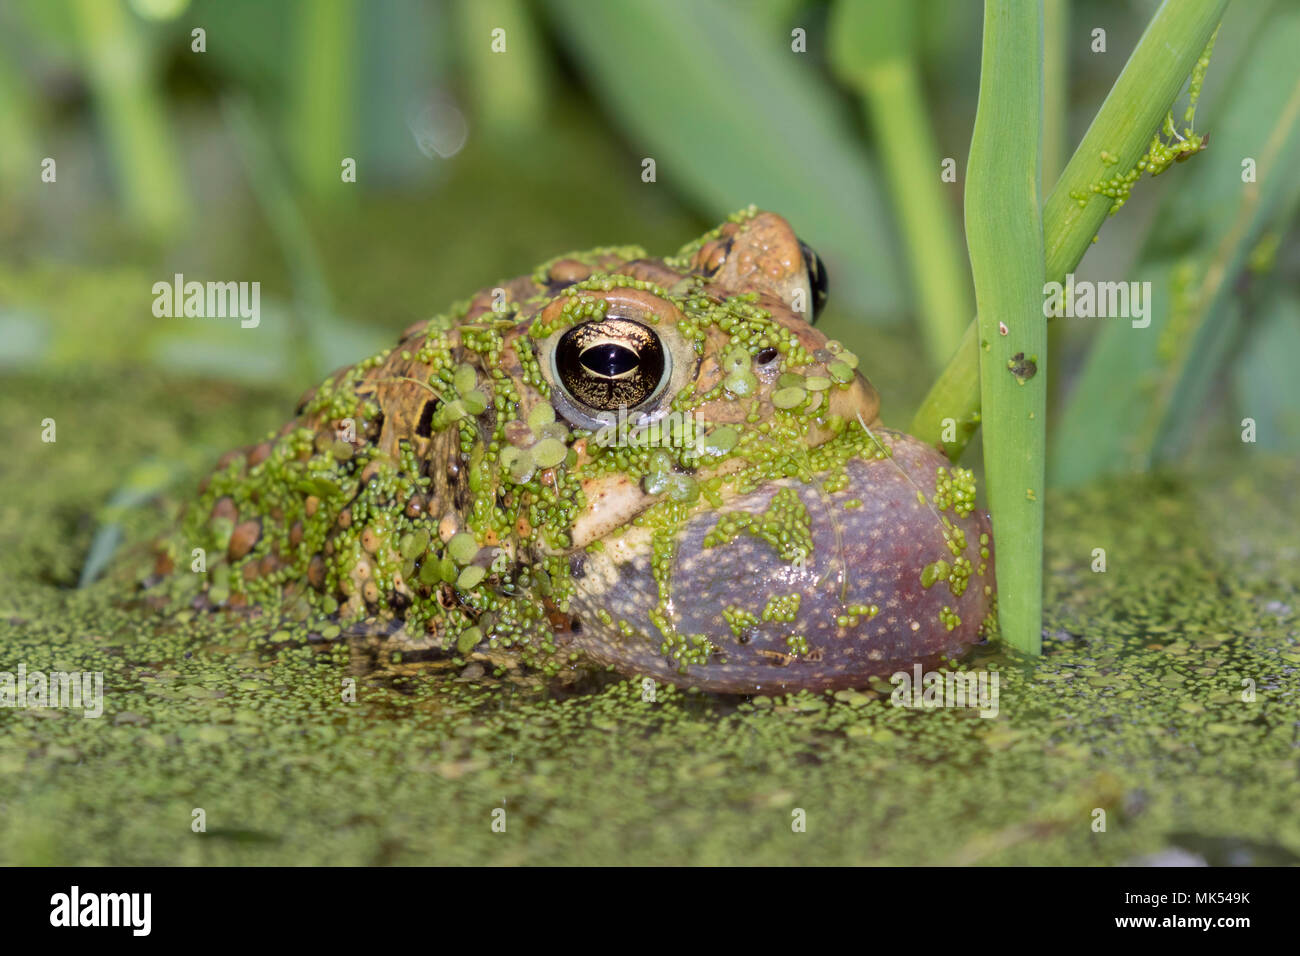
(508, 90)
(18, 158)
(134, 118)
(873, 49)
(1056, 87)
(1056, 132)
(1004, 232)
(322, 339)
(323, 120)
(146, 480)
(1134, 108)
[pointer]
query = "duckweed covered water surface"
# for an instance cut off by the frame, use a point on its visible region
(1136, 708)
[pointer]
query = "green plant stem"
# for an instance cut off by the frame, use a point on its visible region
(119, 72)
(18, 159)
(323, 119)
(1133, 109)
(1056, 87)
(1004, 232)
(1056, 122)
(509, 90)
(312, 300)
(873, 50)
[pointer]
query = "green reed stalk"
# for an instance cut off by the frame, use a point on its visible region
(18, 159)
(323, 122)
(1004, 232)
(1122, 129)
(1056, 87)
(313, 305)
(873, 49)
(509, 92)
(1056, 134)
(118, 70)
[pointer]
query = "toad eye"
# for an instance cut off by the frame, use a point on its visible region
(611, 363)
(817, 280)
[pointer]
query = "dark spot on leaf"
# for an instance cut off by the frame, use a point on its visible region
(424, 428)
(1022, 368)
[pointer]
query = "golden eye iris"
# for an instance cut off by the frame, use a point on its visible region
(611, 363)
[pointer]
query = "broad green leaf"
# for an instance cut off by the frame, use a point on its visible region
(735, 117)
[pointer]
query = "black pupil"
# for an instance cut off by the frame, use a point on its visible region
(817, 280)
(611, 363)
(609, 359)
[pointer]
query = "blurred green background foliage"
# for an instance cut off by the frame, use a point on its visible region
(475, 165)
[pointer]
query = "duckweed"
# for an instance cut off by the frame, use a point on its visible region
(1136, 707)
